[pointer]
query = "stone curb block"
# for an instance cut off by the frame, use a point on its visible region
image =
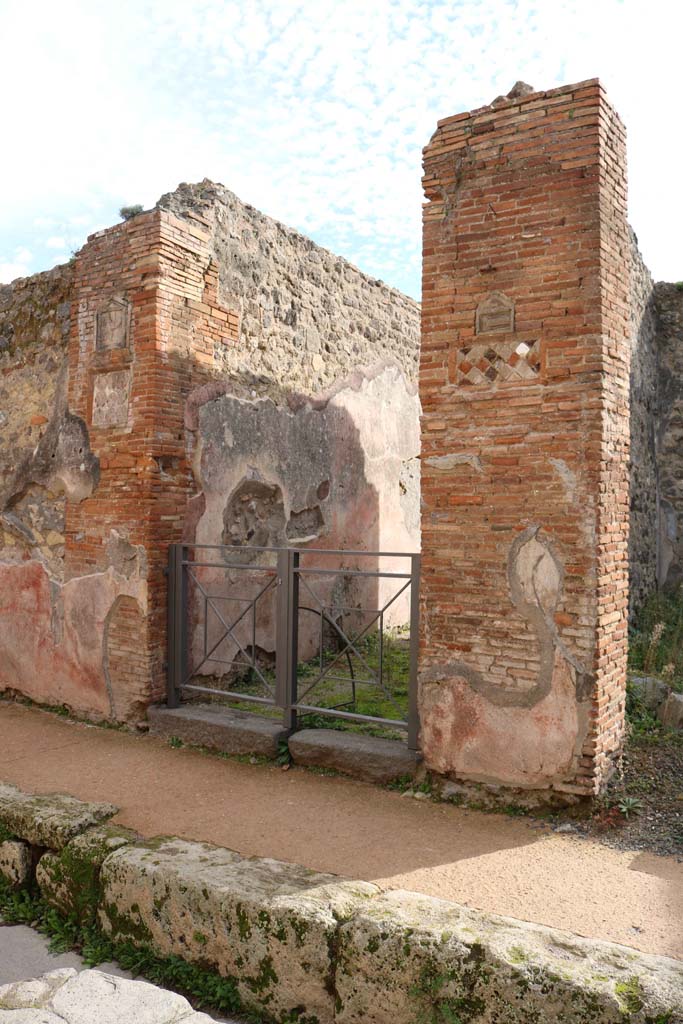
(272, 926)
(16, 862)
(407, 957)
(70, 880)
(315, 947)
(48, 820)
(67, 997)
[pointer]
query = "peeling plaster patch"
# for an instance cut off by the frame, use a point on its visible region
(254, 515)
(12, 523)
(568, 478)
(57, 616)
(125, 558)
(445, 463)
(305, 525)
(62, 461)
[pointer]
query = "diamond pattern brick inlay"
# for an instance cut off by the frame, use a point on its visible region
(509, 360)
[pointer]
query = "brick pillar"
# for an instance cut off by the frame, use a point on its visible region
(146, 329)
(524, 386)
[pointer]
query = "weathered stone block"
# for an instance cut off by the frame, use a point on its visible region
(652, 691)
(670, 713)
(67, 997)
(272, 926)
(70, 880)
(405, 958)
(364, 757)
(49, 820)
(15, 862)
(219, 728)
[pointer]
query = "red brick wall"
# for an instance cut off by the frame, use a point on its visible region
(525, 441)
(161, 267)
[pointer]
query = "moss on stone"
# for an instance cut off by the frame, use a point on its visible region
(630, 994)
(123, 927)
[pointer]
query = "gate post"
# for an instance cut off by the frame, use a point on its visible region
(413, 707)
(287, 636)
(177, 626)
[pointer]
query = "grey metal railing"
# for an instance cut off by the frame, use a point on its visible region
(350, 635)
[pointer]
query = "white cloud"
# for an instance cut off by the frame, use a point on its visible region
(17, 265)
(315, 112)
(55, 242)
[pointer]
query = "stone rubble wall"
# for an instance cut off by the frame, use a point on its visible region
(644, 403)
(34, 332)
(317, 948)
(669, 434)
(306, 316)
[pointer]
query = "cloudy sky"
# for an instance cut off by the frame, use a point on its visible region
(315, 111)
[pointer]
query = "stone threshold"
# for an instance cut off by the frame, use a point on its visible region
(231, 731)
(302, 945)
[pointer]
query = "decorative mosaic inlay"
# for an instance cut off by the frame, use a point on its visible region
(484, 363)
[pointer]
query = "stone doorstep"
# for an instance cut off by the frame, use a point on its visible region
(219, 728)
(365, 757)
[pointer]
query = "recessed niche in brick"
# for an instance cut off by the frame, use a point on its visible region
(495, 315)
(484, 363)
(112, 324)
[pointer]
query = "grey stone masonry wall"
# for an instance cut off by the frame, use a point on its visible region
(307, 317)
(669, 299)
(644, 404)
(34, 331)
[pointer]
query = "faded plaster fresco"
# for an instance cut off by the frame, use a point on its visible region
(481, 730)
(53, 635)
(338, 471)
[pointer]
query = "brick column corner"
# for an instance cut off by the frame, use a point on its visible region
(146, 328)
(524, 385)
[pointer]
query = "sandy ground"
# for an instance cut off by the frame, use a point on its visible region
(487, 861)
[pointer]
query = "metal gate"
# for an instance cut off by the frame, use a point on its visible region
(299, 632)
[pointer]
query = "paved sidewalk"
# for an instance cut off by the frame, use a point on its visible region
(24, 954)
(487, 861)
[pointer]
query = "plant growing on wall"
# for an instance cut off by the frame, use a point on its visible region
(128, 212)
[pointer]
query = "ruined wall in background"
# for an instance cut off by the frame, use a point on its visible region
(307, 317)
(669, 301)
(644, 400)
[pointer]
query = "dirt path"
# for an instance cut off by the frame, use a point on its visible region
(486, 861)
